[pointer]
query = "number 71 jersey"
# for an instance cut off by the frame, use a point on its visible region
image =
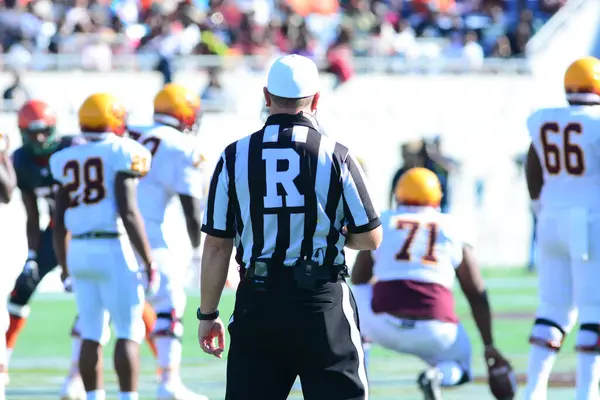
(567, 142)
(87, 173)
(419, 244)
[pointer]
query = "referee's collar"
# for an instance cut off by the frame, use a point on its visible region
(291, 119)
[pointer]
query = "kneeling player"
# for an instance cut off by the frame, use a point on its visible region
(404, 296)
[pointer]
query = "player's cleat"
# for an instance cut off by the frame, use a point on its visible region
(430, 382)
(73, 389)
(176, 391)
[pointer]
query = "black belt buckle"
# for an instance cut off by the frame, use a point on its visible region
(258, 274)
(306, 274)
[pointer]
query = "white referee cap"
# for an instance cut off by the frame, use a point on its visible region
(293, 76)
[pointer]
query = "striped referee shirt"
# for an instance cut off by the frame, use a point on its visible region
(286, 191)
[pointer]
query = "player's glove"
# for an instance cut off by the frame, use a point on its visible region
(31, 269)
(151, 280)
(68, 284)
(501, 377)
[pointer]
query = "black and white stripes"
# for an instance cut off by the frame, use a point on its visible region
(286, 191)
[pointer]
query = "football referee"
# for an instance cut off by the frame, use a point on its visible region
(290, 199)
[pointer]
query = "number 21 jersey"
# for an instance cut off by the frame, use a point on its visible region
(567, 142)
(88, 171)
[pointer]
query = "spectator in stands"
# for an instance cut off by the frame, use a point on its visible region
(502, 48)
(268, 27)
(16, 94)
(473, 52)
(404, 41)
(495, 29)
(339, 57)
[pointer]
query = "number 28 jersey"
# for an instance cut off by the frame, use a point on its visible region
(419, 244)
(88, 171)
(567, 142)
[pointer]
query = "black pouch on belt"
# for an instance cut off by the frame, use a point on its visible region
(307, 273)
(258, 274)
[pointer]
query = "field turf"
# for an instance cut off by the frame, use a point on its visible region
(42, 356)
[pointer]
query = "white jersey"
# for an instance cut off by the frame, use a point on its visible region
(177, 168)
(419, 244)
(567, 142)
(88, 171)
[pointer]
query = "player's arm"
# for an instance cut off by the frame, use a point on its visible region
(192, 210)
(364, 226)
(219, 229)
(186, 179)
(8, 178)
(126, 197)
(362, 271)
(473, 287)
(33, 219)
(534, 175)
(500, 374)
(60, 234)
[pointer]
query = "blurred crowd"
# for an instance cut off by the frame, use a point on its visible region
(95, 30)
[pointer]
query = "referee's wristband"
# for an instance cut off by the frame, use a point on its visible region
(206, 317)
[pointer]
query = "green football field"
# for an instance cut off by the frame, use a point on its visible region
(42, 356)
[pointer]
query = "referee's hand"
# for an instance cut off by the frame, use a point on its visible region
(208, 331)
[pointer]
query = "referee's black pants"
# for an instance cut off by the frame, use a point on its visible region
(286, 332)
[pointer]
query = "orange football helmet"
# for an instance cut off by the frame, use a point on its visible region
(178, 107)
(582, 80)
(419, 187)
(37, 123)
(102, 112)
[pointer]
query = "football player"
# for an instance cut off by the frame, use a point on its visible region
(404, 290)
(37, 123)
(97, 226)
(562, 171)
(176, 172)
(8, 182)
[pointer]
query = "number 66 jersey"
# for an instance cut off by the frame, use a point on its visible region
(567, 142)
(415, 264)
(88, 171)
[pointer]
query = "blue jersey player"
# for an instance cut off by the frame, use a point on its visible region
(37, 124)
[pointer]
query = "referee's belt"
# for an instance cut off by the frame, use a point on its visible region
(97, 235)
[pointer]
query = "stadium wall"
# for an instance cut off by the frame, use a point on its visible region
(481, 118)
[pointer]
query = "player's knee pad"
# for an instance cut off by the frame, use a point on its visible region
(168, 324)
(588, 338)
(453, 373)
(23, 290)
(21, 311)
(547, 333)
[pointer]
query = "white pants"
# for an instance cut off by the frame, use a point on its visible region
(568, 243)
(171, 293)
(432, 341)
(107, 278)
